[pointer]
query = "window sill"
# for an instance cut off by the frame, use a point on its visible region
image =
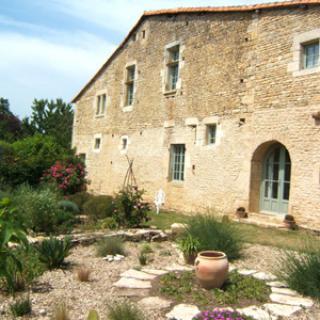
(99, 116)
(305, 72)
(127, 108)
(177, 183)
(170, 92)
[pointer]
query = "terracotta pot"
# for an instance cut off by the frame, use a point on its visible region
(211, 269)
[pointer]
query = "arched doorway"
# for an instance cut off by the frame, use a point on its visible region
(270, 178)
(275, 182)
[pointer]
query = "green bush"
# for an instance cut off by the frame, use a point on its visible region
(124, 310)
(302, 271)
(99, 207)
(68, 206)
(129, 208)
(53, 252)
(21, 307)
(212, 234)
(39, 209)
(25, 160)
(110, 246)
(80, 198)
(107, 223)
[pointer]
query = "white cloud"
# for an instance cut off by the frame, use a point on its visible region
(47, 68)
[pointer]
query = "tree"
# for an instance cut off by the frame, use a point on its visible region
(10, 125)
(53, 118)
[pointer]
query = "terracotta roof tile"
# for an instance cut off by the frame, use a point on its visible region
(246, 8)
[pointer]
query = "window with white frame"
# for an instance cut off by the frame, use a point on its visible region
(177, 161)
(101, 103)
(97, 144)
(310, 55)
(211, 131)
(173, 56)
(130, 83)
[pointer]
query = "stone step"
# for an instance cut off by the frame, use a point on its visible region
(281, 310)
(139, 275)
(131, 283)
(290, 300)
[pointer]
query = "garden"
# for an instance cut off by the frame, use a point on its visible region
(67, 254)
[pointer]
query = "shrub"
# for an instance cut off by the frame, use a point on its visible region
(93, 315)
(124, 310)
(39, 209)
(212, 234)
(143, 259)
(110, 246)
(53, 251)
(80, 198)
(302, 271)
(130, 210)
(69, 206)
(83, 274)
(107, 223)
(60, 312)
(99, 207)
(21, 307)
(146, 248)
(68, 174)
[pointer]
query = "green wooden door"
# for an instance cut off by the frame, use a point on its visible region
(275, 184)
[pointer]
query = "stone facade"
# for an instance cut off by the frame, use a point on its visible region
(237, 69)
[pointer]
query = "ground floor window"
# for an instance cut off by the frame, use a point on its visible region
(177, 162)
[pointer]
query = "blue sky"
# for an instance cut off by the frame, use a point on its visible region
(50, 48)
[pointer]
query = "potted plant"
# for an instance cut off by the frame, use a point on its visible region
(241, 213)
(290, 222)
(189, 247)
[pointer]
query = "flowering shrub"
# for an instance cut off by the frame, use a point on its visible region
(68, 174)
(219, 314)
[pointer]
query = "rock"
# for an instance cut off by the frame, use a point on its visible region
(286, 291)
(256, 313)
(139, 275)
(183, 312)
(115, 258)
(264, 276)
(178, 267)
(178, 228)
(290, 300)
(281, 310)
(132, 284)
(277, 284)
(155, 303)
(120, 256)
(42, 312)
(156, 272)
(232, 267)
(246, 272)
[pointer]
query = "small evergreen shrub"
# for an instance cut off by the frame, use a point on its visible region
(212, 234)
(110, 246)
(124, 310)
(93, 315)
(107, 223)
(53, 252)
(129, 208)
(143, 259)
(80, 198)
(99, 207)
(302, 271)
(69, 206)
(21, 307)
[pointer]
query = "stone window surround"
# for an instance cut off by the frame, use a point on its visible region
(122, 150)
(95, 137)
(165, 70)
(212, 120)
(298, 41)
(95, 101)
(126, 108)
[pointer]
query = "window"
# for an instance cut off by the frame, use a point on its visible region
(130, 84)
(101, 104)
(143, 34)
(310, 55)
(177, 162)
(97, 143)
(173, 67)
(124, 143)
(211, 133)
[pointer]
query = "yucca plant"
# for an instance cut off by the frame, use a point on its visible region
(53, 251)
(124, 310)
(21, 307)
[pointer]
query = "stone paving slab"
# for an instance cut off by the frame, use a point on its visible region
(290, 300)
(139, 275)
(246, 272)
(155, 303)
(183, 312)
(281, 310)
(131, 283)
(156, 272)
(286, 291)
(277, 284)
(257, 313)
(178, 267)
(264, 276)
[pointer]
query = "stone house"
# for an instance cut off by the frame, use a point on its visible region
(218, 106)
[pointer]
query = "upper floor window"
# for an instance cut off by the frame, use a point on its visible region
(177, 162)
(310, 55)
(173, 56)
(211, 133)
(97, 144)
(130, 82)
(101, 103)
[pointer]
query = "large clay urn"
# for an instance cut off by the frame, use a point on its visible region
(211, 269)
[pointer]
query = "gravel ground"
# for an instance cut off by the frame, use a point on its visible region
(62, 285)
